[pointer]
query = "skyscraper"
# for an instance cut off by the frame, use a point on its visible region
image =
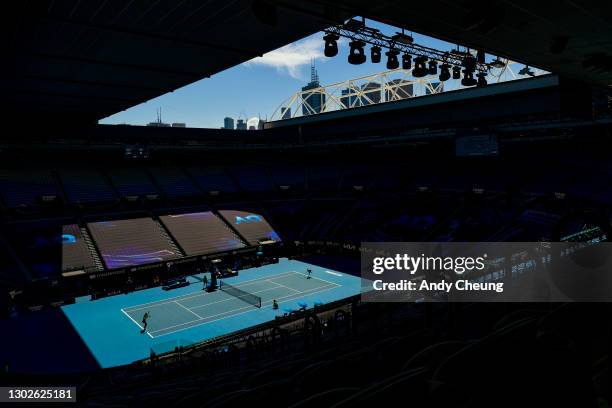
(241, 124)
(285, 112)
(314, 101)
(349, 98)
(370, 93)
(398, 89)
(228, 123)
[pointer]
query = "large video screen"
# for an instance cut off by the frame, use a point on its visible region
(131, 242)
(201, 233)
(75, 253)
(253, 227)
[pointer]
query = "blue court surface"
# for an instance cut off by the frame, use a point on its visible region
(111, 327)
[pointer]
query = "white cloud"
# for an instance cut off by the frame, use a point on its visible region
(292, 58)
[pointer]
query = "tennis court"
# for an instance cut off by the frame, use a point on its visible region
(183, 312)
(111, 326)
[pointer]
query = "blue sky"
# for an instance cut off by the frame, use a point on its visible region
(257, 87)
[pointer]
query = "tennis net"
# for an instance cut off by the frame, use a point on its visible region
(240, 294)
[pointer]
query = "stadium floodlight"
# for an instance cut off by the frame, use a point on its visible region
(456, 72)
(468, 78)
(375, 54)
(406, 61)
(444, 72)
(482, 81)
(331, 44)
(433, 67)
(420, 70)
(356, 54)
(392, 61)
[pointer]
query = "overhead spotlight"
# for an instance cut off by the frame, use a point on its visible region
(526, 71)
(331, 44)
(433, 68)
(420, 70)
(482, 81)
(406, 61)
(469, 63)
(402, 38)
(356, 54)
(498, 63)
(456, 72)
(375, 54)
(468, 78)
(444, 72)
(480, 56)
(392, 61)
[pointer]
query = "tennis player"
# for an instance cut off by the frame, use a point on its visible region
(145, 318)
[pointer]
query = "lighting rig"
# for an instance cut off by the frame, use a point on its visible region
(422, 60)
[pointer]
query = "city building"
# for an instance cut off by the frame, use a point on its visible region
(158, 122)
(349, 98)
(241, 124)
(285, 113)
(314, 102)
(370, 93)
(398, 89)
(228, 123)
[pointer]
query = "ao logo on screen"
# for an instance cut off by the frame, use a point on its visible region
(249, 219)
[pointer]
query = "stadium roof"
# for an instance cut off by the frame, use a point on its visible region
(84, 60)
(571, 38)
(71, 60)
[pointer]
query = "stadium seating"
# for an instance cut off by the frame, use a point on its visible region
(132, 182)
(252, 179)
(174, 182)
(86, 186)
(213, 179)
(27, 188)
(290, 176)
(388, 363)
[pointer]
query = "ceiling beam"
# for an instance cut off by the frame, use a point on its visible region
(112, 63)
(95, 83)
(124, 30)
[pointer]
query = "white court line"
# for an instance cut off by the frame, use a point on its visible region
(297, 295)
(135, 322)
(230, 297)
(286, 287)
(314, 277)
(334, 273)
(191, 296)
(187, 309)
(233, 314)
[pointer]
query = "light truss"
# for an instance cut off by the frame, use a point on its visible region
(357, 30)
